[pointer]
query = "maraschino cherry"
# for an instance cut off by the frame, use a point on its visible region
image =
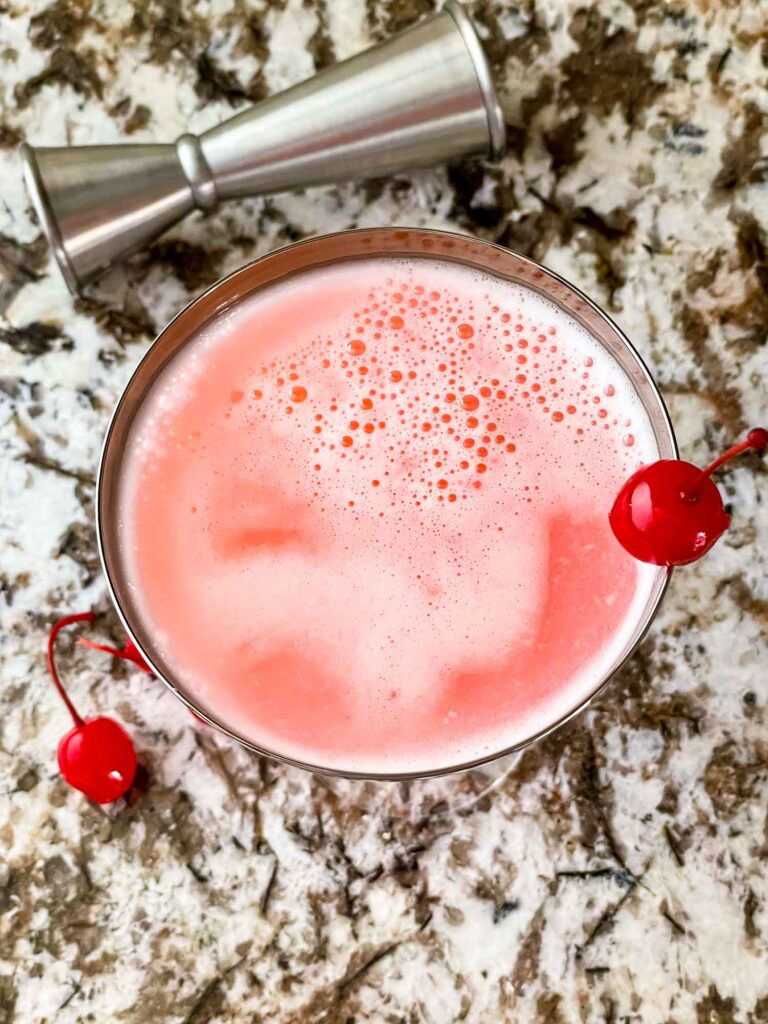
(97, 755)
(670, 512)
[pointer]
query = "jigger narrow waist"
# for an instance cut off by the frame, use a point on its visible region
(201, 182)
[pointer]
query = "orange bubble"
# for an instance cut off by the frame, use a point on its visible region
(465, 331)
(396, 323)
(470, 403)
(395, 376)
(366, 404)
(468, 443)
(356, 347)
(347, 441)
(256, 393)
(442, 484)
(485, 392)
(472, 421)
(298, 394)
(511, 447)
(557, 417)
(369, 428)
(480, 467)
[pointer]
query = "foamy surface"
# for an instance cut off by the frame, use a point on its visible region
(365, 515)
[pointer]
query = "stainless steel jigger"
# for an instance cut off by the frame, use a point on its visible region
(420, 98)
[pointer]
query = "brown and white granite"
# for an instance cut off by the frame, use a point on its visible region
(618, 871)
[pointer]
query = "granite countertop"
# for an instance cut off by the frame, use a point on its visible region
(618, 870)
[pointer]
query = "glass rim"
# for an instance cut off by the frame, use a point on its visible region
(324, 250)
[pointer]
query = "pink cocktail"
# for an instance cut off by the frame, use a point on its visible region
(363, 514)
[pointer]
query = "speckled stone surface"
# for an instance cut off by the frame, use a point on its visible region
(618, 871)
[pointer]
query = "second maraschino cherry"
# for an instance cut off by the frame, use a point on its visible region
(670, 512)
(96, 756)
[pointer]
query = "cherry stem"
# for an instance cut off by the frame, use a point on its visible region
(757, 439)
(129, 652)
(114, 651)
(68, 620)
(727, 455)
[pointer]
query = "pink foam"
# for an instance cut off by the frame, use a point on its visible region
(367, 515)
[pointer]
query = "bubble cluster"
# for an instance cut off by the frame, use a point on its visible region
(433, 392)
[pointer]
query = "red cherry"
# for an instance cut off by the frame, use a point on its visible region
(656, 522)
(670, 512)
(97, 756)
